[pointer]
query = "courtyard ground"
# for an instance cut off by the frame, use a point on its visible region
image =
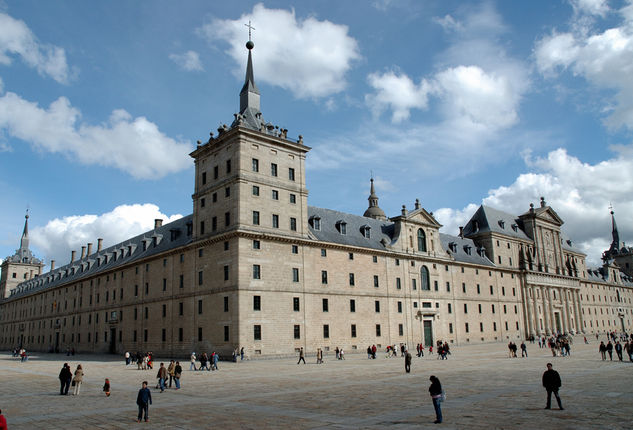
(485, 390)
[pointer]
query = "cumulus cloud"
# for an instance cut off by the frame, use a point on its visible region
(189, 61)
(398, 93)
(591, 7)
(17, 39)
(59, 236)
(579, 192)
(133, 145)
(604, 58)
(312, 66)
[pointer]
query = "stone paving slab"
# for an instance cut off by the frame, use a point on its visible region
(485, 390)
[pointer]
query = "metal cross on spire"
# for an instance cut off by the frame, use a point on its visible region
(250, 27)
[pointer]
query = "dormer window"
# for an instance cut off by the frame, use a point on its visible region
(315, 221)
(502, 223)
(467, 249)
(366, 231)
(515, 227)
(452, 246)
(341, 226)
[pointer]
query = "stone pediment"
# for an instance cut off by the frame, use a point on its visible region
(548, 214)
(419, 216)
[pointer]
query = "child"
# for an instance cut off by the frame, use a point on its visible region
(106, 387)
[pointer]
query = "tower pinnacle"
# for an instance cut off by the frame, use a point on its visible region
(374, 211)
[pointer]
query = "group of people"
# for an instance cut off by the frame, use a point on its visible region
(619, 349)
(21, 354)
(143, 360)
(206, 362)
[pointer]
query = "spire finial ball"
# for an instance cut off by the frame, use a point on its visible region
(250, 45)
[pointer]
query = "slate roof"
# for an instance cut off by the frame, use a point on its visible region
(165, 238)
(598, 275)
(495, 221)
(464, 250)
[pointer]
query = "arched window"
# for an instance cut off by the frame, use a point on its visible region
(421, 240)
(426, 283)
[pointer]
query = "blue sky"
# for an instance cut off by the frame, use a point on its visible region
(451, 102)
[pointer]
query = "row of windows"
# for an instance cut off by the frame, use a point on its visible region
(275, 221)
(216, 172)
(273, 169)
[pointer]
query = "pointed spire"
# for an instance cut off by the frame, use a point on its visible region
(374, 211)
(249, 96)
(24, 242)
(615, 244)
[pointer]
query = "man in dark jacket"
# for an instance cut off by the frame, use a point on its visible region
(551, 382)
(65, 376)
(143, 400)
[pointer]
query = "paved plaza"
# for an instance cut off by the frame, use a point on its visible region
(485, 389)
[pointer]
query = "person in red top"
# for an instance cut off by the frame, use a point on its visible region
(3, 421)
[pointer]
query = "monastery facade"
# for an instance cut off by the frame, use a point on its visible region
(255, 266)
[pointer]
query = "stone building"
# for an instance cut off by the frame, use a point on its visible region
(255, 266)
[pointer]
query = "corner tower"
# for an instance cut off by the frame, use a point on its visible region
(21, 266)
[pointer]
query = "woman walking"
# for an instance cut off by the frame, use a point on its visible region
(78, 379)
(436, 395)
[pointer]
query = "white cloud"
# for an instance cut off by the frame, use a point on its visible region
(313, 65)
(580, 193)
(189, 61)
(603, 58)
(17, 39)
(398, 93)
(133, 145)
(591, 7)
(58, 237)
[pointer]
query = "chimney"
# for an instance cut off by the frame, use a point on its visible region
(83, 252)
(52, 265)
(99, 244)
(158, 223)
(461, 232)
(89, 249)
(72, 255)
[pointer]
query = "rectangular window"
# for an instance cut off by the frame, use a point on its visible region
(466, 327)
(465, 308)
(377, 305)
(414, 284)
(275, 195)
(326, 331)
(297, 331)
(291, 174)
(376, 283)
(228, 166)
(200, 280)
(295, 304)
(293, 198)
(199, 334)
(181, 334)
(214, 223)
(255, 217)
(350, 255)
(275, 221)
(227, 219)
(464, 287)
(478, 289)
(353, 330)
(201, 227)
(255, 165)
(227, 192)
(256, 244)
(435, 286)
(479, 306)
(481, 327)
(255, 190)
(491, 290)
(400, 330)
(202, 202)
(493, 308)
(326, 307)
(226, 303)
(257, 271)
(450, 309)
(323, 276)
(352, 305)
(399, 307)
(145, 335)
(448, 287)
(273, 169)
(377, 330)
(450, 328)
(164, 335)
(226, 333)
(204, 178)
(199, 307)
(323, 252)
(295, 249)
(181, 281)
(351, 280)
(257, 303)
(398, 284)
(293, 224)
(181, 309)
(164, 311)
(164, 284)
(214, 197)
(295, 274)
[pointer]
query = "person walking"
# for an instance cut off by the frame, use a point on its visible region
(143, 400)
(170, 371)
(216, 358)
(242, 354)
(603, 350)
(610, 350)
(106, 387)
(551, 382)
(435, 390)
(302, 356)
(523, 350)
(65, 376)
(78, 379)
(127, 358)
(407, 362)
(177, 374)
(162, 376)
(618, 350)
(193, 361)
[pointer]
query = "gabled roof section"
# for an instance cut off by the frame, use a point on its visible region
(380, 231)
(464, 250)
(418, 215)
(545, 213)
(490, 220)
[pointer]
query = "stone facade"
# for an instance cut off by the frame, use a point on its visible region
(255, 266)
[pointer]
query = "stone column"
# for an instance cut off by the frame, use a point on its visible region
(550, 308)
(530, 313)
(568, 309)
(546, 320)
(563, 311)
(579, 316)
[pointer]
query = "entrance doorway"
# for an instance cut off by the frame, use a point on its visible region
(428, 333)
(557, 322)
(112, 341)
